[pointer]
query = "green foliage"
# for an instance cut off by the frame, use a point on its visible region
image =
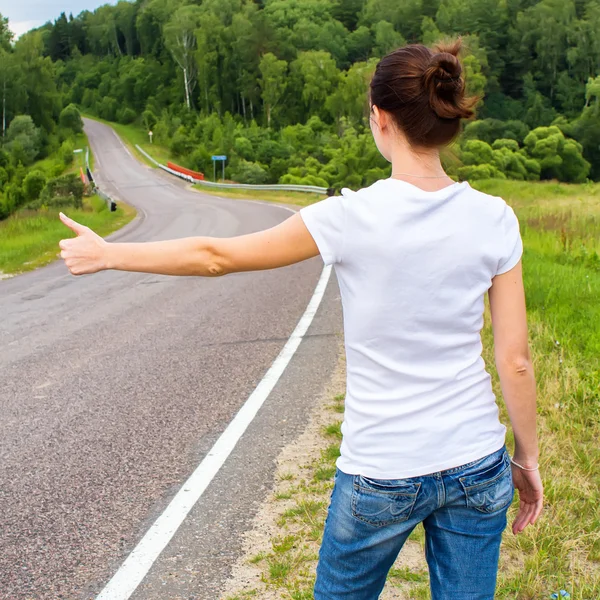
(66, 190)
(23, 140)
(70, 118)
(33, 184)
(126, 115)
(489, 130)
(560, 158)
(480, 171)
(66, 153)
(248, 172)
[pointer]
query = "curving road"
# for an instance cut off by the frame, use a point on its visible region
(114, 386)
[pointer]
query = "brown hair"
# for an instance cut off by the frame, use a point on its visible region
(424, 91)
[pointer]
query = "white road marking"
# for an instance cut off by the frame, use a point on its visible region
(142, 557)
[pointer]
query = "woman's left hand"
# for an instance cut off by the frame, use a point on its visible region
(85, 253)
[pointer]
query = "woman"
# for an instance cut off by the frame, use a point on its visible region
(415, 255)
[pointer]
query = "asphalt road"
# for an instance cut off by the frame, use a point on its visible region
(114, 386)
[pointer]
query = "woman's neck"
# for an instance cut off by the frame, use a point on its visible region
(421, 168)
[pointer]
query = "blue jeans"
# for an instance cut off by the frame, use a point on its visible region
(463, 511)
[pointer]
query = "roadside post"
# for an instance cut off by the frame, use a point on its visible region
(150, 134)
(215, 158)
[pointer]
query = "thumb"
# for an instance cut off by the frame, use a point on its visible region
(78, 228)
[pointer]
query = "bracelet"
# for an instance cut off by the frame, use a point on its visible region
(522, 467)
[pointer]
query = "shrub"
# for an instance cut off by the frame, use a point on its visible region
(33, 184)
(71, 119)
(243, 148)
(482, 171)
(245, 171)
(66, 152)
(66, 190)
(107, 108)
(476, 152)
(181, 144)
(559, 157)
(126, 116)
(512, 145)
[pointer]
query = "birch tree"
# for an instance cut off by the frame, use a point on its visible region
(272, 82)
(180, 40)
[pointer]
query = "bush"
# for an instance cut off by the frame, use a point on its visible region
(107, 108)
(71, 119)
(66, 190)
(4, 158)
(476, 152)
(181, 144)
(33, 184)
(149, 119)
(66, 153)
(126, 116)
(245, 171)
(3, 177)
(490, 130)
(559, 157)
(243, 148)
(482, 171)
(512, 145)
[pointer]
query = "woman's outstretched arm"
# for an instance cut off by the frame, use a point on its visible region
(509, 322)
(287, 243)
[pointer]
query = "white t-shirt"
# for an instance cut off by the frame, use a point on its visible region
(413, 268)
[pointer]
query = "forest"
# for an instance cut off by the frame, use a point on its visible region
(280, 87)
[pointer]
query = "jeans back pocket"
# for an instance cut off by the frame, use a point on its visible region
(490, 489)
(382, 502)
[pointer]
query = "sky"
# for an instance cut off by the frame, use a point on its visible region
(24, 15)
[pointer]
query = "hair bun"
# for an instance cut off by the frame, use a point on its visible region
(444, 83)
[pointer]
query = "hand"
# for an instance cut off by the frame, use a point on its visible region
(531, 496)
(84, 254)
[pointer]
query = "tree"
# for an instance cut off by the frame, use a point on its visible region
(559, 157)
(386, 38)
(36, 80)
(180, 40)
(23, 139)
(6, 35)
(318, 74)
(272, 82)
(350, 98)
(70, 118)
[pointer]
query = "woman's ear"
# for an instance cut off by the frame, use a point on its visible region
(380, 117)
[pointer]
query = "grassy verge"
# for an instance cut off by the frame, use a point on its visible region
(132, 135)
(29, 239)
(561, 231)
(294, 198)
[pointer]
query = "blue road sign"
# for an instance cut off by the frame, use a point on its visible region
(221, 157)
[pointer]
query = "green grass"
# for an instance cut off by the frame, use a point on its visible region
(561, 232)
(29, 239)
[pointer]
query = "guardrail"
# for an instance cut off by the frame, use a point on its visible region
(242, 186)
(112, 205)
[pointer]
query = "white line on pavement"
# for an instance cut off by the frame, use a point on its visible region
(138, 563)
